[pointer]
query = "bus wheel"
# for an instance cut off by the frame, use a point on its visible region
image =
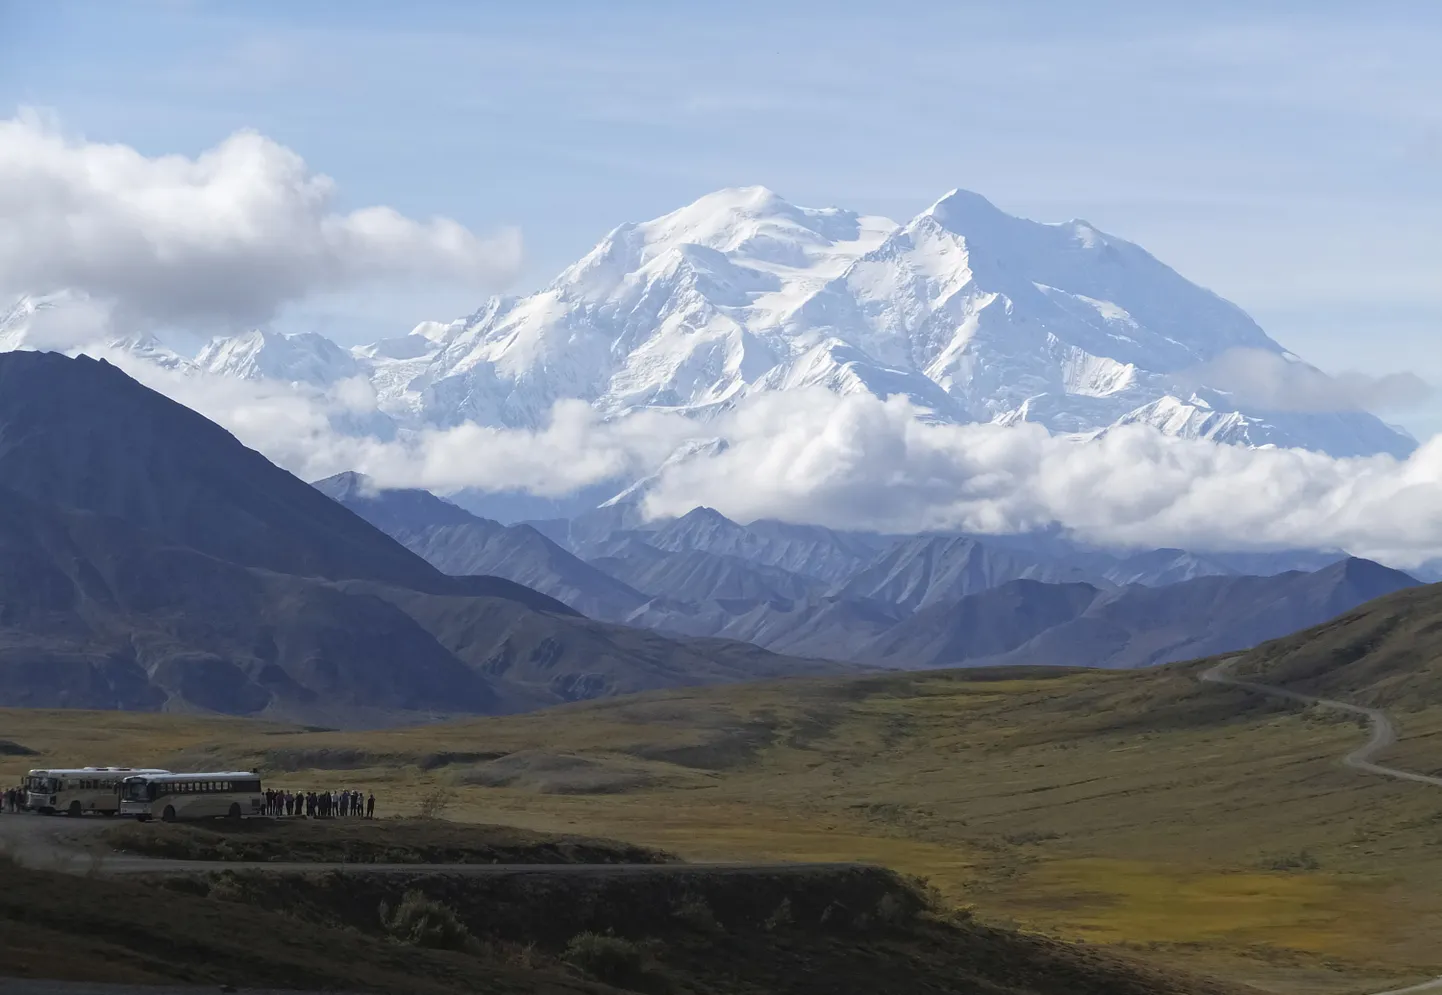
(234, 812)
(74, 810)
(168, 815)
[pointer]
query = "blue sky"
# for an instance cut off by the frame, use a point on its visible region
(1289, 156)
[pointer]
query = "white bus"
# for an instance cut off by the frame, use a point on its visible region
(77, 790)
(176, 797)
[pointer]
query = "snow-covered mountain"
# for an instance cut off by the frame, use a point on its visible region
(975, 315)
(23, 326)
(261, 355)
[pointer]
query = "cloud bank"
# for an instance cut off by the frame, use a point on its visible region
(855, 462)
(1264, 380)
(222, 240)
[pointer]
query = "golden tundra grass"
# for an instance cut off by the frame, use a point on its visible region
(1187, 823)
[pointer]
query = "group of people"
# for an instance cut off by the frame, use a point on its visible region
(13, 800)
(320, 804)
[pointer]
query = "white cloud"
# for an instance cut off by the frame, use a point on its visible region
(311, 432)
(221, 240)
(855, 462)
(1259, 379)
(861, 463)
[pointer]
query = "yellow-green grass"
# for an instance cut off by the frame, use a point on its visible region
(1188, 823)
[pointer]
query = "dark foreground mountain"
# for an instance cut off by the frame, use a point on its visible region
(79, 433)
(149, 560)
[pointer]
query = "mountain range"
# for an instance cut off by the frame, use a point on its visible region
(973, 314)
(900, 602)
(149, 560)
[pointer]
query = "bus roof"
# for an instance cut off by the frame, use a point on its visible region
(215, 775)
(62, 771)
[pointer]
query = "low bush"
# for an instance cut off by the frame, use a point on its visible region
(781, 917)
(425, 922)
(695, 913)
(1302, 860)
(435, 803)
(606, 958)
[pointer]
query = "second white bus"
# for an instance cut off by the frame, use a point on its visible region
(77, 791)
(179, 797)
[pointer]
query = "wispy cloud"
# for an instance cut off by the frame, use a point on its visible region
(1261, 380)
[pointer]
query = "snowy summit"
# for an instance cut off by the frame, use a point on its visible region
(974, 314)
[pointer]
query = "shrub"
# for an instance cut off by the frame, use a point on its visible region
(435, 803)
(781, 917)
(693, 911)
(95, 865)
(226, 887)
(934, 905)
(893, 910)
(1300, 861)
(606, 958)
(425, 922)
(1030, 836)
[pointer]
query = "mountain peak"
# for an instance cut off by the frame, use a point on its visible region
(751, 201)
(347, 485)
(957, 209)
(702, 513)
(82, 434)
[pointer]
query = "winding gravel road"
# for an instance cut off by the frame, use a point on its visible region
(1384, 735)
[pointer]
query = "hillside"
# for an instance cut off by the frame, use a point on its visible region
(97, 614)
(79, 433)
(1135, 626)
(1386, 653)
(152, 561)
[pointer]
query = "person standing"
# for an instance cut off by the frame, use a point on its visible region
(371, 806)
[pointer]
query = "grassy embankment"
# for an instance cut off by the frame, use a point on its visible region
(667, 930)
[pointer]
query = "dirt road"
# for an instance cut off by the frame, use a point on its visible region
(1384, 735)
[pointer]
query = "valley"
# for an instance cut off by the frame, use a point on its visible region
(1191, 825)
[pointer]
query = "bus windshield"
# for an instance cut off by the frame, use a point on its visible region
(136, 790)
(44, 785)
